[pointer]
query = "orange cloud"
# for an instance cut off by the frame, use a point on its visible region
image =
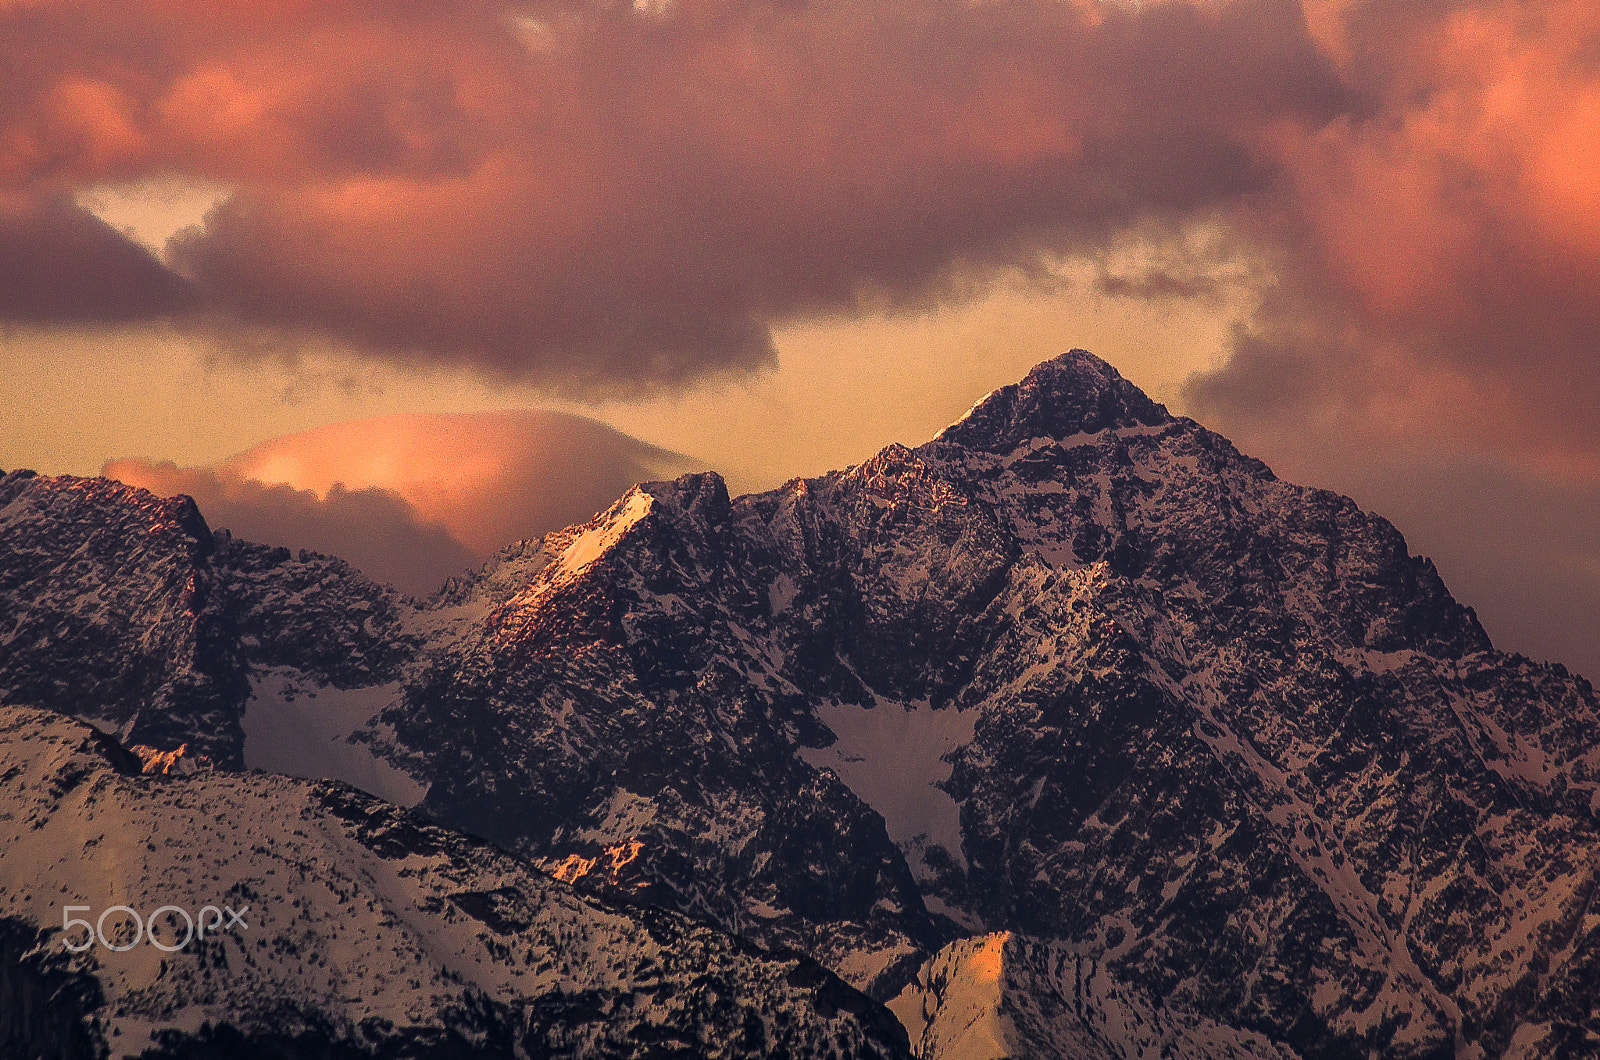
(618, 198)
(375, 529)
(414, 498)
(491, 478)
(604, 198)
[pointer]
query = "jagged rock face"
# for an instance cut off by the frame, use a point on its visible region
(368, 932)
(1072, 395)
(45, 1006)
(1229, 764)
(314, 613)
(1226, 737)
(603, 721)
(125, 608)
(992, 997)
(111, 612)
(1247, 750)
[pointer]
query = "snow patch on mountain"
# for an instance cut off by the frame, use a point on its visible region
(895, 757)
(952, 1010)
(1005, 995)
(298, 728)
(598, 540)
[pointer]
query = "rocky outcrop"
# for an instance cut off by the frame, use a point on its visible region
(363, 931)
(1226, 765)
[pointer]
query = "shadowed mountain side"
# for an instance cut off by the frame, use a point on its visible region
(1211, 759)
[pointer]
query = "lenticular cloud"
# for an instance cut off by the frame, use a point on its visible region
(412, 499)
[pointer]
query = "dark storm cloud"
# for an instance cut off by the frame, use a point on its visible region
(605, 197)
(683, 182)
(60, 264)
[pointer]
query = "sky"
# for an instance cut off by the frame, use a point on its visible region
(404, 278)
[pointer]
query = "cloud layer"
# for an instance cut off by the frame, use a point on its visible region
(1439, 261)
(605, 198)
(412, 499)
(59, 264)
(375, 529)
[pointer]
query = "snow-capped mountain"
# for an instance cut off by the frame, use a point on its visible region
(108, 612)
(353, 929)
(126, 609)
(1072, 731)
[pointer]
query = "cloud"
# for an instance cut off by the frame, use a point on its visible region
(414, 498)
(59, 264)
(1445, 248)
(605, 198)
(619, 197)
(685, 182)
(490, 477)
(375, 529)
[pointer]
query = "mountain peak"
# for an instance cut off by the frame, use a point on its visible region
(1075, 393)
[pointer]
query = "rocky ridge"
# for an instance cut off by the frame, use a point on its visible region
(363, 932)
(1211, 749)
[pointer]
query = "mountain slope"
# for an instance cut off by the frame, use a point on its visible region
(110, 612)
(127, 609)
(1218, 757)
(1229, 739)
(364, 932)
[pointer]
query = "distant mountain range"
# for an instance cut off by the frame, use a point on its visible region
(1072, 732)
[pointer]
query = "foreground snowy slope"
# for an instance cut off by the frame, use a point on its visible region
(362, 930)
(1226, 768)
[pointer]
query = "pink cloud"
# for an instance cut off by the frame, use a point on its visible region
(414, 498)
(61, 264)
(375, 529)
(603, 198)
(1446, 242)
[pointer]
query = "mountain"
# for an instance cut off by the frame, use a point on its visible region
(362, 931)
(125, 608)
(108, 598)
(1072, 731)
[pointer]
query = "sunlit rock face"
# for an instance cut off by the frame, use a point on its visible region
(1224, 767)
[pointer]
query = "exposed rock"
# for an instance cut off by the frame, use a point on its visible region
(1227, 762)
(363, 931)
